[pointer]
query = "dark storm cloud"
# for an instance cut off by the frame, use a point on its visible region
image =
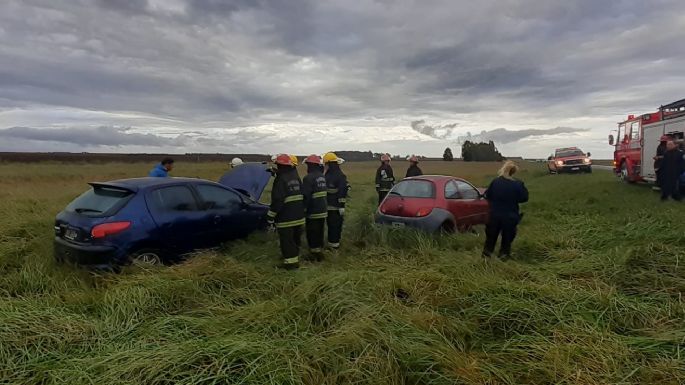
(502, 135)
(99, 136)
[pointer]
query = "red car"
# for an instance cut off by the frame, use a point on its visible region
(434, 203)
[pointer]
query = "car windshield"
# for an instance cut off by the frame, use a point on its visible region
(98, 201)
(414, 189)
(567, 153)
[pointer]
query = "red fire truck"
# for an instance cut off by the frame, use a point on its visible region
(638, 137)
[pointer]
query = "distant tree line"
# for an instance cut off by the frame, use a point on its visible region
(480, 152)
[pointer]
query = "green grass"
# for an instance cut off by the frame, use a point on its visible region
(594, 296)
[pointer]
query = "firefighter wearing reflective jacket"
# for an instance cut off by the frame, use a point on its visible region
(315, 194)
(384, 178)
(337, 187)
(286, 213)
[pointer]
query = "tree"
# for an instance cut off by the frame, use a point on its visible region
(480, 152)
(447, 156)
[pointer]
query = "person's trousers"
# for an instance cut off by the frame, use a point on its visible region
(315, 234)
(506, 227)
(670, 188)
(290, 240)
(381, 196)
(335, 227)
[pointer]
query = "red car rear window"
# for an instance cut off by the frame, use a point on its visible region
(415, 188)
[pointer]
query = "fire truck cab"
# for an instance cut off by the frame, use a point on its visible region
(637, 139)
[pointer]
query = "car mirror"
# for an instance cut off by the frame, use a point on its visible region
(611, 140)
(549, 157)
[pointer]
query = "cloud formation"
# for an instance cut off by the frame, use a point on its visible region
(92, 136)
(236, 71)
(502, 135)
(434, 131)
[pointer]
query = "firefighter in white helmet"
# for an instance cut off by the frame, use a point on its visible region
(235, 162)
(384, 178)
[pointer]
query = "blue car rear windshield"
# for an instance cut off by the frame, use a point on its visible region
(415, 189)
(99, 201)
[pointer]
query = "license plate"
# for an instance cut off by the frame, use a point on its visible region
(575, 168)
(70, 234)
(398, 224)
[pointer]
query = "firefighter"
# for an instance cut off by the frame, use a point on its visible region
(384, 178)
(336, 187)
(315, 194)
(235, 162)
(504, 195)
(659, 158)
(413, 169)
(286, 213)
(671, 168)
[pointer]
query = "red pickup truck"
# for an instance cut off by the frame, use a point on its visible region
(570, 159)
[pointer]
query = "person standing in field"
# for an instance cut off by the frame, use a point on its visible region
(659, 158)
(671, 168)
(286, 212)
(162, 169)
(336, 187)
(413, 169)
(235, 162)
(315, 194)
(504, 195)
(384, 178)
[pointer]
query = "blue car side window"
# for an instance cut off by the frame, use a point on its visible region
(217, 198)
(173, 198)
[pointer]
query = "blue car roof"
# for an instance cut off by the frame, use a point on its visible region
(137, 184)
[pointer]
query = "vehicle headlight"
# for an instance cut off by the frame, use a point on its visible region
(560, 162)
(587, 160)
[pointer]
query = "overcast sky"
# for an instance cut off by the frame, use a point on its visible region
(306, 76)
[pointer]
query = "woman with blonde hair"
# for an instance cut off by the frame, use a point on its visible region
(504, 195)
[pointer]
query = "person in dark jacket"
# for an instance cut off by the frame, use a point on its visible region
(162, 169)
(504, 195)
(337, 188)
(384, 178)
(659, 158)
(314, 191)
(671, 168)
(286, 212)
(413, 169)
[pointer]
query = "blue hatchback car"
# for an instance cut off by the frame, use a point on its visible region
(156, 220)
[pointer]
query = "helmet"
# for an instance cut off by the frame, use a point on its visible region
(414, 159)
(664, 138)
(313, 159)
(385, 158)
(283, 160)
(330, 157)
(294, 160)
(235, 162)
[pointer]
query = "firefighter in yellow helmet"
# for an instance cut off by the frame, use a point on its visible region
(286, 212)
(315, 194)
(337, 188)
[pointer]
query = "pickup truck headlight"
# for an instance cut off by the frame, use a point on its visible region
(559, 162)
(587, 161)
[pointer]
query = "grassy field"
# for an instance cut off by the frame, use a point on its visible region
(594, 296)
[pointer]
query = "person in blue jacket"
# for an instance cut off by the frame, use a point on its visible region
(504, 195)
(162, 169)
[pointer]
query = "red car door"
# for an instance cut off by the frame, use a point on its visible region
(458, 206)
(478, 206)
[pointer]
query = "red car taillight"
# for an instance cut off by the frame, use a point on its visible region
(424, 211)
(105, 229)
